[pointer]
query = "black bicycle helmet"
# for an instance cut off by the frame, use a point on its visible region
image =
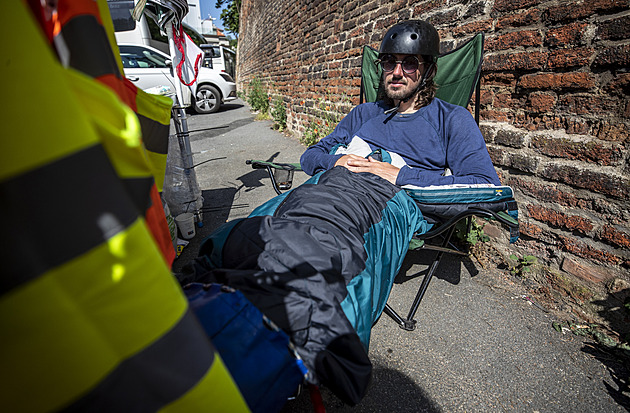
(416, 37)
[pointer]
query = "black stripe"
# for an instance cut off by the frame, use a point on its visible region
(89, 47)
(58, 212)
(155, 377)
(139, 191)
(154, 134)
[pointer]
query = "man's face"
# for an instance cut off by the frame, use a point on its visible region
(400, 83)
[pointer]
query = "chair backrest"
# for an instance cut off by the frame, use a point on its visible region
(457, 76)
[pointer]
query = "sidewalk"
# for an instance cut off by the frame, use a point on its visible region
(478, 346)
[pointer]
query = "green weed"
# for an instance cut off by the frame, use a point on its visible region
(279, 113)
(522, 265)
(257, 96)
(472, 236)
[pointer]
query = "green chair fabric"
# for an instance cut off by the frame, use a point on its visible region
(457, 75)
(370, 75)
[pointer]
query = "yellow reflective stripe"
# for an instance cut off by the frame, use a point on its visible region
(65, 331)
(156, 161)
(154, 107)
(117, 125)
(49, 133)
(216, 392)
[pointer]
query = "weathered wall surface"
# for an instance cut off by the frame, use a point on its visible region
(554, 101)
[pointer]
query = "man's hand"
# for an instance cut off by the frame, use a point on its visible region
(356, 163)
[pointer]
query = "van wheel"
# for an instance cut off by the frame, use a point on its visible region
(207, 99)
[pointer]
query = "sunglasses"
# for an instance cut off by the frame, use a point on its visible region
(409, 64)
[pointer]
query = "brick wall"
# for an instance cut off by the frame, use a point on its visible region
(554, 101)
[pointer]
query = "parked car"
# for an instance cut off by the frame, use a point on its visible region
(149, 68)
(219, 58)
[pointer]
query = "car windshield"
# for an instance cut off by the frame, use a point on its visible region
(141, 57)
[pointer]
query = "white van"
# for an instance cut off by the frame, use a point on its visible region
(146, 61)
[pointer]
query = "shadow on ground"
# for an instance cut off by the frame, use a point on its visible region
(387, 389)
(615, 309)
(449, 269)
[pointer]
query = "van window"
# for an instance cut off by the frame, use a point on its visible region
(141, 57)
(120, 11)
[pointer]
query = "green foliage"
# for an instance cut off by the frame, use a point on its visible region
(522, 265)
(279, 113)
(473, 236)
(230, 16)
(257, 96)
(326, 117)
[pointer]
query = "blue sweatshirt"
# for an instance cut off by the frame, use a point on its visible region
(437, 136)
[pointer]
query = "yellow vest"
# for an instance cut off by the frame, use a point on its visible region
(90, 314)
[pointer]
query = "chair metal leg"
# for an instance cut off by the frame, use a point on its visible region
(429, 276)
(405, 324)
(409, 323)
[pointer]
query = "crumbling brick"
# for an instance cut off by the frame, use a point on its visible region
(559, 219)
(558, 81)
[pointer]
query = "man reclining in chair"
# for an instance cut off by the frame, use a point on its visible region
(320, 260)
(429, 134)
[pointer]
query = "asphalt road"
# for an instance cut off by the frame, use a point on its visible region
(478, 346)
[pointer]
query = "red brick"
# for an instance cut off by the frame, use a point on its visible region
(586, 105)
(516, 61)
(584, 271)
(600, 182)
(581, 249)
(495, 115)
(569, 35)
(498, 79)
(583, 9)
(614, 131)
(541, 102)
(503, 100)
(525, 18)
(559, 219)
(565, 58)
(522, 38)
(445, 17)
(485, 97)
(531, 230)
(557, 81)
(426, 6)
(614, 237)
(511, 5)
(539, 190)
(594, 152)
(472, 28)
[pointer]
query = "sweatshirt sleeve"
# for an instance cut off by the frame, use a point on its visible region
(317, 157)
(466, 156)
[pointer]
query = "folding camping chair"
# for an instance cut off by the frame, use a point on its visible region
(457, 79)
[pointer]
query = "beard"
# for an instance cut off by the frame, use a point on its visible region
(403, 93)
